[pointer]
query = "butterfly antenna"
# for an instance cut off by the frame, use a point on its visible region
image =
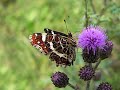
(66, 25)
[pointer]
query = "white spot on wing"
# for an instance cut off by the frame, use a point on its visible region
(30, 38)
(52, 32)
(35, 34)
(38, 42)
(37, 46)
(44, 37)
(61, 44)
(51, 46)
(47, 29)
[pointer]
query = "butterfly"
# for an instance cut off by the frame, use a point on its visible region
(58, 46)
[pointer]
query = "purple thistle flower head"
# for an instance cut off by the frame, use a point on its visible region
(60, 79)
(86, 73)
(106, 51)
(104, 86)
(92, 38)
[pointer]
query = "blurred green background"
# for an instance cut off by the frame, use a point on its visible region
(22, 67)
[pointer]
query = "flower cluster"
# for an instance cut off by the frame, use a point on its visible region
(94, 43)
(95, 46)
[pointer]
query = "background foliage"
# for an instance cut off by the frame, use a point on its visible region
(22, 67)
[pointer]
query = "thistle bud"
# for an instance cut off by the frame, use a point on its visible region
(60, 79)
(106, 51)
(86, 73)
(104, 86)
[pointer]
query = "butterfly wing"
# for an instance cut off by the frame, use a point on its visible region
(38, 41)
(55, 44)
(49, 31)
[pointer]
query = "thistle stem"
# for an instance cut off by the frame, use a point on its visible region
(86, 14)
(73, 87)
(93, 7)
(97, 64)
(88, 85)
(88, 82)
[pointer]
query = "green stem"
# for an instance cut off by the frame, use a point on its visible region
(73, 87)
(88, 85)
(86, 14)
(88, 82)
(93, 7)
(97, 64)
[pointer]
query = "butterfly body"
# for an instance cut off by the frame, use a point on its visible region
(59, 46)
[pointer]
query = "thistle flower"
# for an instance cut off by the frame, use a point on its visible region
(86, 73)
(60, 79)
(91, 40)
(104, 86)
